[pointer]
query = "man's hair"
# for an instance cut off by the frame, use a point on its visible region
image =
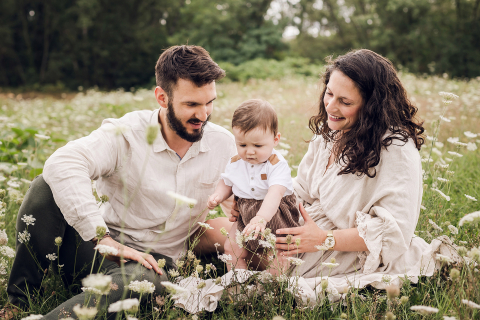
(186, 62)
(255, 113)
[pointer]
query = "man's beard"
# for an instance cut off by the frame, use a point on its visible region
(176, 125)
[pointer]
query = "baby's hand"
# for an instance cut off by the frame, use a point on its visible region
(256, 225)
(213, 201)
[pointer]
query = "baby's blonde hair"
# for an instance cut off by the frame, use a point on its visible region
(255, 113)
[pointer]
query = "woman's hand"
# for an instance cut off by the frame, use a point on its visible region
(310, 235)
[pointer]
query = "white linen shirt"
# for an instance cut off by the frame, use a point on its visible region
(246, 178)
(119, 158)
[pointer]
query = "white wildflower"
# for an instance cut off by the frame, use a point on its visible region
(239, 239)
(471, 146)
(453, 140)
(473, 217)
(181, 199)
(85, 313)
(265, 244)
(448, 95)
(52, 256)
(212, 212)
(470, 134)
(142, 286)
(461, 144)
(3, 237)
(449, 318)
(98, 281)
(42, 137)
(321, 247)
(453, 229)
(386, 279)
(174, 289)
(283, 152)
(284, 145)
(434, 225)
(13, 184)
(438, 144)
(194, 317)
(441, 193)
(295, 261)
(29, 220)
(448, 159)
(225, 257)
(173, 273)
(107, 250)
(424, 310)
(430, 138)
(471, 304)
(24, 237)
(474, 254)
(130, 305)
(445, 119)
(205, 225)
(456, 154)
(7, 251)
(33, 317)
(443, 258)
(442, 179)
(216, 244)
(437, 152)
(91, 290)
(427, 160)
(422, 207)
(470, 197)
(330, 265)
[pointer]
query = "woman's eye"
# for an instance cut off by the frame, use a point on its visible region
(329, 93)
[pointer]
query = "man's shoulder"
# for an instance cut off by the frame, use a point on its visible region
(135, 120)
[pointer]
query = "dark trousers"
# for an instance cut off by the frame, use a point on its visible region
(74, 254)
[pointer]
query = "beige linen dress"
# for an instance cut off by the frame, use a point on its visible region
(385, 210)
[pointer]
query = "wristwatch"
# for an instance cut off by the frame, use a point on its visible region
(330, 240)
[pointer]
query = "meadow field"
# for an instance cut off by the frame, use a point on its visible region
(34, 125)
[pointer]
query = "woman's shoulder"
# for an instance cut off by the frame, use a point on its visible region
(399, 150)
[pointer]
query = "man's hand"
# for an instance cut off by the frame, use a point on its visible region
(256, 225)
(147, 260)
(213, 201)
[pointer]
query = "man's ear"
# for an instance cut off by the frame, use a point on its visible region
(276, 139)
(161, 97)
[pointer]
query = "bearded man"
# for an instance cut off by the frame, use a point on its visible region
(135, 173)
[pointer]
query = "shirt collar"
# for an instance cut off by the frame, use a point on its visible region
(160, 144)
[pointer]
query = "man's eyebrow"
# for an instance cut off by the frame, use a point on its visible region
(195, 103)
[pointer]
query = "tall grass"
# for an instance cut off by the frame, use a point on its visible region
(24, 122)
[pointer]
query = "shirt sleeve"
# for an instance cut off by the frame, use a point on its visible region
(69, 172)
(227, 204)
(280, 174)
(227, 174)
(388, 226)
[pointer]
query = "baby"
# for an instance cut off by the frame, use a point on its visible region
(256, 174)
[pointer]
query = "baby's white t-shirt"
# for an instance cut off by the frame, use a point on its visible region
(251, 181)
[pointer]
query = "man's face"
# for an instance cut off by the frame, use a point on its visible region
(190, 109)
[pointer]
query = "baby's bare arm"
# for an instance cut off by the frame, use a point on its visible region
(271, 202)
(221, 193)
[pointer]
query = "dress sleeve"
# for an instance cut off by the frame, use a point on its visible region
(388, 226)
(69, 172)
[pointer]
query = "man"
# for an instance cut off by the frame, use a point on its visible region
(142, 222)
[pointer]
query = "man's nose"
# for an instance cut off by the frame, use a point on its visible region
(202, 113)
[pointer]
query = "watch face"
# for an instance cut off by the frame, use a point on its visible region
(330, 242)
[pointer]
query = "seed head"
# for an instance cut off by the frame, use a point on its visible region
(100, 232)
(289, 239)
(297, 242)
(404, 300)
(393, 291)
(223, 231)
(58, 241)
(201, 285)
(454, 274)
(333, 260)
(161, 263)
(218, 281)
(199, 268)
(390, 316)
(324, 284)
(343, 316)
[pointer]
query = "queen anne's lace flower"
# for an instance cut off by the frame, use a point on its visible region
(33, 317)
(470, 134)
(52, 256)
(453, 229)
(471, 146)
(173, 273)
(175, 290)
(98, 281)
(443, 258)
(225, 257)
(295, 261)
(3, 237)
(29, 220)
(434, 225)
(205, 225)
(142, 286)
(85, 313)
(7, 251)
(471, 304)
(473, 217)
(130, 305)
(470, 197)
(424, 310)
(330, 265)
(24, 237)
(441, 193)
(91, 290)
(180, 199)
(107, 250)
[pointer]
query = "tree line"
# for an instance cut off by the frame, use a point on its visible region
(115, 44)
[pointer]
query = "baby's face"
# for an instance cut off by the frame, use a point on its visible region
(256, 145)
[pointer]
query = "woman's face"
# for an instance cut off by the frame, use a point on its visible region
(343, 102)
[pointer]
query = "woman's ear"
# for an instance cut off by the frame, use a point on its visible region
(276, 139)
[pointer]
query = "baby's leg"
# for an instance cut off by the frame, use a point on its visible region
(238, 254)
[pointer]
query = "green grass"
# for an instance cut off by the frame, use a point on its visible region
(295, 99)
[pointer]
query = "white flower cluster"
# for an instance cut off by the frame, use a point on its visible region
(130, 305)
(180, 199)
(98, 281)
(448, 95)
(473, 218)
(24, 237)
(434, 225)
(175, 290)
(441, 193)
(443, 258)
(29, 220)
(142, 286)
(107, 250)
(33, 317)
(295, 261)
(52, 256)
(225, 257)
(205, 225)
(470, 197)
(7, 251)
(424, 310)
(471, 304)
(85, 313)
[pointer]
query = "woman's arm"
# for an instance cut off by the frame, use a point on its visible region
(311, 235)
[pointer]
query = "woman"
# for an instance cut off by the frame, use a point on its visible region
(361, 179)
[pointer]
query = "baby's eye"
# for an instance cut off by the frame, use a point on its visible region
(258, 145)
(241, 145)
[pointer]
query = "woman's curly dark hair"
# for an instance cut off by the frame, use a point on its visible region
(386, 109)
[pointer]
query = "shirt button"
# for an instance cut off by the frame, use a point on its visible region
(252, 165)
(252, 178)
(253, 189)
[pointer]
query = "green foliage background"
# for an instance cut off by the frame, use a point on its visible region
(60, 45)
